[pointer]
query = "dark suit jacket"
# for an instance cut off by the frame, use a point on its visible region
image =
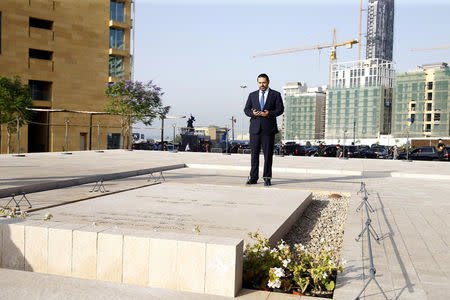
(264, 125)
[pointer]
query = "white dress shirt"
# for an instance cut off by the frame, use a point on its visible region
(266, 92)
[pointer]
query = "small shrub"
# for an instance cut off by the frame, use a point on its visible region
(281, 269)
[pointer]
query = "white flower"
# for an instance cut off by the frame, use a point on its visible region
(255, 250)
(279, 272)
(273, 250)
(322, 240)
(324, 275)
(265, 249)
(301, 246)
(282, 245)
(274, 284)
(343, 261)
(286, 262)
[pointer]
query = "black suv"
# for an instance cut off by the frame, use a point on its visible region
(425, 153)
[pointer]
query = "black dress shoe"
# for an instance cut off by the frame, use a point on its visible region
(252, 181)
(267, 182)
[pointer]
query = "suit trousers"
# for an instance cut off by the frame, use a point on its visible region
(266, 142)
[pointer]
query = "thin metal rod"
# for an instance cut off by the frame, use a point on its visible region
(98, 135)
(67, 134)
(18, 135)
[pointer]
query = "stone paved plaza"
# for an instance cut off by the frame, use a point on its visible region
(411, 202)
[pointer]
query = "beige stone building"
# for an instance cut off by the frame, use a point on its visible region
(66, 51)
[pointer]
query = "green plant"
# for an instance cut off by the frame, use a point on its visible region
(280, 268)
(257, 262)
(14, 101)
(12, 213)
(315, 270)
(134, 101)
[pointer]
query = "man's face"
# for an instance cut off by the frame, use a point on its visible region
(263, 83)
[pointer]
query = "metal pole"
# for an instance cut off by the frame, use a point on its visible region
(407, 143)
(98, 135)
(232, 128)
(174, 126)
(90, 131)
(243, 87)
(67, 134)
(18, 136)
(226, 141)
(162, 134)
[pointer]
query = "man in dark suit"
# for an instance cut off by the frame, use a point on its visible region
(263, 107)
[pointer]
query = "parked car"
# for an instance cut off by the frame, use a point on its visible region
(378, 149)
(425, 153)
(353, 151)
(299, 150)
(309, 151)
(289, 148)
(367, 153)
(385, 154)
(329, 151)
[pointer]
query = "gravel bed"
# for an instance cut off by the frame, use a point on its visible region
(322, 220)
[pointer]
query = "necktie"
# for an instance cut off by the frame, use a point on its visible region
(262, 100)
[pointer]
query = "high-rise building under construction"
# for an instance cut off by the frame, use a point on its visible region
(380, 29)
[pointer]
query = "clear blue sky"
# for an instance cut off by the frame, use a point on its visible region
(200, 52)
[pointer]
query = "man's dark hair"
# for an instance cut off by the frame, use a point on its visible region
(263, 75)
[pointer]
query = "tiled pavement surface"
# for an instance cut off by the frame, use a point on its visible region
(412, 216)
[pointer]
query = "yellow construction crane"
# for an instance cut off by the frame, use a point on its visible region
(333, 47)
(442, 47)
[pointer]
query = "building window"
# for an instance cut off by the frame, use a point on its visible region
(430, 85)
(40, 23)
(428, 128)
(115, 66)
(40, 54)
(429, 106)
(116, 39)
(413, 107)
(114, 140)
(430, 96)
(40, 90)
(428, 117)
(116, 11)
(437, 116)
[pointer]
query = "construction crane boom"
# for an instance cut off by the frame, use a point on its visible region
(299, 49)
(333, 47)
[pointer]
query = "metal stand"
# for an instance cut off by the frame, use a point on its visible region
(370, 231)
(99, 186)
(24, 197)
(160, 178)
(365, 198)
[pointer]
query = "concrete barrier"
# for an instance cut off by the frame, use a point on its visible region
(58, 184)
(194, 263)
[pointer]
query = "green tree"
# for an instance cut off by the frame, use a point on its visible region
(133, 102)
(14, 101)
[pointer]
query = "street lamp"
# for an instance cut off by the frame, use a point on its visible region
(162, 127)
(174, 126)
(243, 87)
